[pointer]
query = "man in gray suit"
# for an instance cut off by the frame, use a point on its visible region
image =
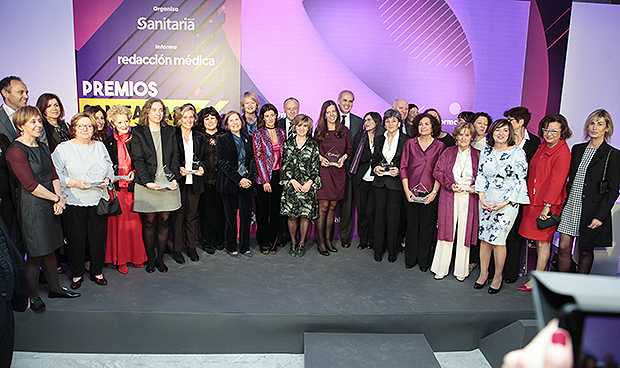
(15, 95)
(291, 108)
(355, 124)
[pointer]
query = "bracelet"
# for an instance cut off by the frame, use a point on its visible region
(344, 156)
(434, 191)
(58, 199)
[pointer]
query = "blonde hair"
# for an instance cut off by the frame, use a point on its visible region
(115, 111)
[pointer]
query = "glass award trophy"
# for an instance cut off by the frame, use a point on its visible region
(333, 155)
(419, 192)
(95, 175)
(195, 166)
(121, 170)
(386, 166)
(164, 177)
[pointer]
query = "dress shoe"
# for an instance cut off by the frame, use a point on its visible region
(345, 242)
(102, 281)
(77, 284)
(378, 257)
(293, 250)
(510, 281)
(178, 257)
(220, 246)
(460, 279)
(331, 248)
(37, 305)
(360, 246)
(525, 288)
(323, 252)
(392, 258)
(439, 277)
(409, 266)
(161, 267)
(193, 255)
(209, 249)
(494, 291)
(423, 269)
(478, 286)
(64, 294)
(150, 267)
(301, 250)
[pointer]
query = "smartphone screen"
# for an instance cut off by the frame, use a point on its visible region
(600, 341)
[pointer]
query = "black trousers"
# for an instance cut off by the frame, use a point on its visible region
(387, 216)
(421, 221)
(86, 229)
(268, 217)
(514, 246)
(241, 201)
(365, 203)
(185, 219)
(211, 218)
(346, 211)
(7, 335)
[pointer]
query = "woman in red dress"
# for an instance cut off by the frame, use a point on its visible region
(546, 186)
(124, 244)
(334, 148)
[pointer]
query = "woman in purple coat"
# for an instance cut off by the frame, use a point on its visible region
(456, 171)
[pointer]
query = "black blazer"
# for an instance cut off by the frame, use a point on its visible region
(596, 205)
(392, 183)
(364, 158)
(143, 156)
(111, 144)
(53, 138)
(200, 153)
(18, 301)
(530, 146)
(227, 157)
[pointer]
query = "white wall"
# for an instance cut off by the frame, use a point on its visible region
(37, 45)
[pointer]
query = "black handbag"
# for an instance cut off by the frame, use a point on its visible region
(109, 208)
(551, 221)
(604, 184)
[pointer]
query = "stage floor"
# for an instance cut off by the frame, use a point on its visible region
(264, 304)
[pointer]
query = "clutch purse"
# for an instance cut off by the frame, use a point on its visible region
(109, 208)
(551, 221)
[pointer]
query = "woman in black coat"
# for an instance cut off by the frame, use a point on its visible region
(593, 189)
(235, 157)
(155, 156)
(192, 147)
(362, 151)
(387, 186)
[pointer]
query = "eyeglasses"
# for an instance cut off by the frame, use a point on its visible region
(80, 126)
(551, 131)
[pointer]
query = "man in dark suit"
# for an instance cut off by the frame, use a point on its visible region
(15, 95)
(519, 117)
(291, 108)
(13, 293)
(355, 124)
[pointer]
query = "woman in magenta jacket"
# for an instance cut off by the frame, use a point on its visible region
(268, 143)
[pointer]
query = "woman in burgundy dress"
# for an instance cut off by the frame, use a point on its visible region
(334, 148)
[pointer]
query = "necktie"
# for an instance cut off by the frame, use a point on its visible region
(344, 120)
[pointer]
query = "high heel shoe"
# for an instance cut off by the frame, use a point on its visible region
(331, 248)
(323, 252)
(478, 286)
(494, 291)
(161, 267)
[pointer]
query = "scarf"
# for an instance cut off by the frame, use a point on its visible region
(124, 161)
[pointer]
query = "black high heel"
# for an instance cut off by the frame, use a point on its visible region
(478, 286)
(331, 248)
(323, 252)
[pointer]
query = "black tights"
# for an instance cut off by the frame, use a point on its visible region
(565, 258)
(47, 263)
(325, 224)
(303, 229)
(155, 225)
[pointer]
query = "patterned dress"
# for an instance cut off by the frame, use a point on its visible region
(571, 214)
(301, 164)
(501, 176)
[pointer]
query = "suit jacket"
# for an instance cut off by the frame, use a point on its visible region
(144, 157)
(530, 146)
(263, 153)
(365, 158)
(282, 125)
(444, 174)
(392, 183)
(7, 128)
(18, 300)
(356, 126)
(596, 205)
(199, 141)
(227, 158)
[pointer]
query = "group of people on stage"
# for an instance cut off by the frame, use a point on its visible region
(482, 190)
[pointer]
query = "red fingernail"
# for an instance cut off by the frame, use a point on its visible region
(559, 338)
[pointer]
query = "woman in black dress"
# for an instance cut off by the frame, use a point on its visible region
(40, 202)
